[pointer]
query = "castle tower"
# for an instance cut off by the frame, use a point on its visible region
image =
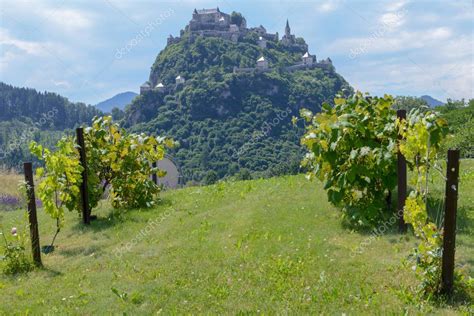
(287, 29)
(288, 38)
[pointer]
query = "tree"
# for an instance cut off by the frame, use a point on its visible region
(243, 174)
(408, 103)
(211, 177)
(117, 114)
(236, 18)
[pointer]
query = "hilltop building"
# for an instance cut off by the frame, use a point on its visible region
(233, 27)
(145, 87)
(262, 63)
(180, 80)
(307, 59)
(288, 38)
(160, 87)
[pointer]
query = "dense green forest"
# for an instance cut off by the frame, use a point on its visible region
(26, 115)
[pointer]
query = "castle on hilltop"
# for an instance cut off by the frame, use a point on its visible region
(213, 22)
(233, 27)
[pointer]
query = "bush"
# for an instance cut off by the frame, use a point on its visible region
(15, 257)
(211, 178)
(352, 149)
(243, 174)
(123, 161)
(114, 157)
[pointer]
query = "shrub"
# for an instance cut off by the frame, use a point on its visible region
(352, 149)
(123, 161)
(114, 157)
(15, 257)
(211, 177)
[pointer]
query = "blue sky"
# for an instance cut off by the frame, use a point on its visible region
(398, 47)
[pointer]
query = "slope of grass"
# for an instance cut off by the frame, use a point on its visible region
(261, 246)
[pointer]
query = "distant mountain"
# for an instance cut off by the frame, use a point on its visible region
(118, 101)
(432, 102)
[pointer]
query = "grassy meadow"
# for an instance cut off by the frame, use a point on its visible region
(9, 182)
(250, 247)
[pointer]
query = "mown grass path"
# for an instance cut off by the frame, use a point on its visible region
(262, 246)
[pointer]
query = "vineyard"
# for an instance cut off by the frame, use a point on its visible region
(260, 245)
(251, 246)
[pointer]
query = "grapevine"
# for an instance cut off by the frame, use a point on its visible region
(422, 136)
(352, 149)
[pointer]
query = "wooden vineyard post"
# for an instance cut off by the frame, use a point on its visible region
(83, 188)
(32, 218)
(154, 176)
(450, 210)
(402, 179)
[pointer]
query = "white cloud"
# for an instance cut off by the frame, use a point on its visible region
(61, 83)
(439, 33)
(382, 41)
(444, 73)
(396, 5)
(428, 18)
(327, 6)
(393, 19)
(68, 19)
(29, 47)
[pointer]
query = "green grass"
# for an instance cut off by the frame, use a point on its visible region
(262, 246)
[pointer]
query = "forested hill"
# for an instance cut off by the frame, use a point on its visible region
(25, 104)
(232, 122)
(26, 115)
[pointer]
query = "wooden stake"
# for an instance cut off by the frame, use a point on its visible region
(34, 233)
(450, 210)
(402, 180)
(83, 188)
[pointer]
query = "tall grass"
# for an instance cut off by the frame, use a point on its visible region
(9, 180)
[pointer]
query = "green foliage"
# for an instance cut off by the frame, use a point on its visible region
(124, 161)
(463, 139)
(46, 110)
(211, 178)
(28, 115)
(408, 103)
(422, 135)
(224, 118)
(460, 120)
(59, 185)
(236, 18)
(352, 150)
(217, 113)
(114, 157)
(15, 258)
(243, 174)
